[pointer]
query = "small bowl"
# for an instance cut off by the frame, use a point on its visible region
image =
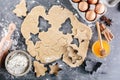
(96, 48)
(14, 54)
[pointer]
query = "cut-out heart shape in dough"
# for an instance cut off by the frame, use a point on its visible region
(53, 43)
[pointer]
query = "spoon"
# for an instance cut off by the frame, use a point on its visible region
(102, 50)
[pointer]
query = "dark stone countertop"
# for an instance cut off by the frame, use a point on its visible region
(92, 68)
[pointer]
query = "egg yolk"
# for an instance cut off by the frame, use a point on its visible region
(96, 48)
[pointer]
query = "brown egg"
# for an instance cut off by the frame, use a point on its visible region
(100, 8)
(92, 1)
(76, 1)
(90, 15)
(83, 6)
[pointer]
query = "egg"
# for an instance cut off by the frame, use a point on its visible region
(100, 8)
(92, 1)
(90, 15)
(83, 6)
(76, 1)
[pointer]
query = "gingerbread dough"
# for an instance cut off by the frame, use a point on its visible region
(53, 43)
(54, 69)
(20, 9)
(39, 69)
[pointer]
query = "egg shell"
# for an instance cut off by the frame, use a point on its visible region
(83, 6)
(76, 1)
(100, 8)
(90, 15)
(92, 1)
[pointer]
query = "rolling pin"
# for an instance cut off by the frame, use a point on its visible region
(5, 43)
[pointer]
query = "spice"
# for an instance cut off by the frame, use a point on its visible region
(106, 20)
(106, 32)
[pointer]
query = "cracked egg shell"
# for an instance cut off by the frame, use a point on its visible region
(90, 15)
(93, 1)
(83, 6)
(100, 8)
(76, 1)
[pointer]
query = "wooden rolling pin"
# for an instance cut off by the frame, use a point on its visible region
(5, 43)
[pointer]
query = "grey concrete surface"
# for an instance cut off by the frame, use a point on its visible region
(92, 69)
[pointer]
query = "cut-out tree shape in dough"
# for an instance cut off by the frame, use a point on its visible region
(53, 43)
(43, 25)
(66, 27)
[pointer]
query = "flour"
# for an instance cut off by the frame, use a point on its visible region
(4, 29)
(17, 64)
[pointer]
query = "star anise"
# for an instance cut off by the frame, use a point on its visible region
(103, 18)
(106, 20)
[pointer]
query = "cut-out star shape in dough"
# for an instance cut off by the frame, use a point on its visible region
(54, 69)
(34, 38)
(66, 27)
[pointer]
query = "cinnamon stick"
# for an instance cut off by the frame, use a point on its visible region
(106, 32)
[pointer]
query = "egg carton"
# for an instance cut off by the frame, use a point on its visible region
(107, 3)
